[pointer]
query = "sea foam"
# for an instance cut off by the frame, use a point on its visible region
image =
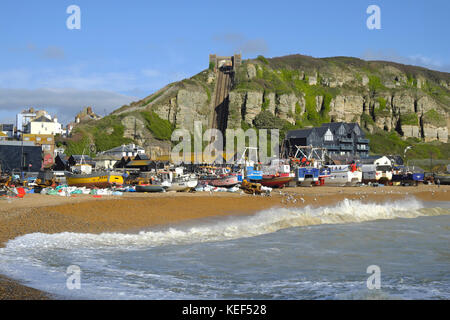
(264, 222)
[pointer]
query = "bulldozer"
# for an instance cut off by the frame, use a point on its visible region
(251, 188)
(45, 179)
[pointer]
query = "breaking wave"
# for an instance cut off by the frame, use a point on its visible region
(264, 222)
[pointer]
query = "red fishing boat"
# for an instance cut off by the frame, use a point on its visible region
(275, 181)
(227, 181)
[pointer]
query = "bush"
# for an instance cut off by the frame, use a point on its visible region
(160, 128)
(262, 59)
(434, 118)
(375, 83)
(409, 119)
(266, 120)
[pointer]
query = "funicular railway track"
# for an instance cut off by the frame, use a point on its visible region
(220, 112)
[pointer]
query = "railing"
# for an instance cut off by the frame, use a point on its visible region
(332, 147)
(347, 140)
(344, 147)
(361, 140)
(362, 148)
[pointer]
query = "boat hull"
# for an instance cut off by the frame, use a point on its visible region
(275, 182)
(182, 186)
(94, 180)
(224, 182)
(443, 179)
(343, 179)
(149, 188)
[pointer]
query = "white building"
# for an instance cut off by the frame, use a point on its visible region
(43, 125)
(130, 150)
(23, 118)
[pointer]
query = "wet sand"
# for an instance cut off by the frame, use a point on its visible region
(132, 212)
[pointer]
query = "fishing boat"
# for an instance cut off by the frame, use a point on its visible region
(83, 176)
(376, 174)
(149, 188)
(408, 178)
(180, 186)
(443, 179)
(226, 181)
(306, 176)
(342, 175)
(275, 181)
(100, 179)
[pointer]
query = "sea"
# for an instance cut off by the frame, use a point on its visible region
(351, 250)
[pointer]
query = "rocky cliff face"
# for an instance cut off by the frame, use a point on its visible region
(306, 91)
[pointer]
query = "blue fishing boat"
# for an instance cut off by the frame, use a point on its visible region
(307, 176)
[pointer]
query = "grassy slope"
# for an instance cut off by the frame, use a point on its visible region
(289, 74)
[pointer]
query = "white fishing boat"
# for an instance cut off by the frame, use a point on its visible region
(178, 181)
(181, 186)
(342, 175)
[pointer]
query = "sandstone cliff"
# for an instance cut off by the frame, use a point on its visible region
(301, 91)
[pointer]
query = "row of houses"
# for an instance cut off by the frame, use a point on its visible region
(107, 162)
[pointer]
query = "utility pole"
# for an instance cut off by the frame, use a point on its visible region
(431, 161)
(21, 158)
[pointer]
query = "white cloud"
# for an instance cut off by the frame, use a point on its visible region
(65, 91)
(417, 59)
(63, 103)
(240, 43)
(53, 53)
(151, 73)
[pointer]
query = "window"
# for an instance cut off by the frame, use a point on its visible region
(328, 136)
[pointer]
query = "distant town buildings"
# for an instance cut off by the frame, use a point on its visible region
(37, 122)
(7, 129)
(86, 114)
(43, 125)
(23, 118)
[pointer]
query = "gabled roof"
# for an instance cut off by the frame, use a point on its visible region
(334, 125)
(296, 134)
(106, 157)
(124, 148)
(141, 156)
(42, 119)
(77, 157)
(321, 131)
(62, 156)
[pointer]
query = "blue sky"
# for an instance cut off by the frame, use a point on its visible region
(126, 50)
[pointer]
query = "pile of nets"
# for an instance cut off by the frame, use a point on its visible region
(66, 191)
